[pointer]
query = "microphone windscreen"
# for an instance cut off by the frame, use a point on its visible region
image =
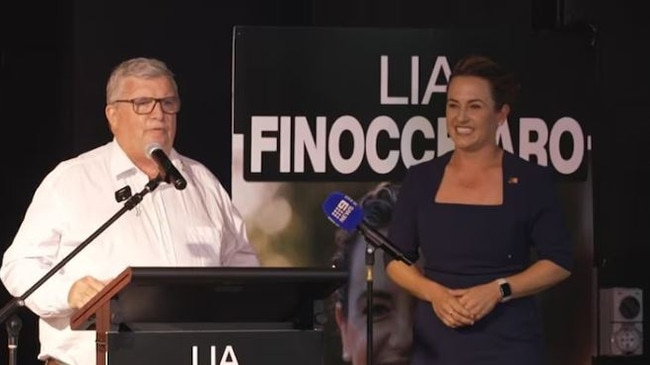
(341, 210)
(152, 147)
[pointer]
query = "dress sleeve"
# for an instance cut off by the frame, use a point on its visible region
(403, 231)
(548, 227)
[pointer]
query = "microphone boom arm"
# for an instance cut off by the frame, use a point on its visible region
(379, 241)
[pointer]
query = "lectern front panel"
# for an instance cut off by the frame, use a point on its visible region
(256, 347)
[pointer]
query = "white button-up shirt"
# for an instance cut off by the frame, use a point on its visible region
(196, 226)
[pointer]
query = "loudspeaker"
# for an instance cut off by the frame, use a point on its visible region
(621, 321)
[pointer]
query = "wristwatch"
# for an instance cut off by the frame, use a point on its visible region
(506, 292)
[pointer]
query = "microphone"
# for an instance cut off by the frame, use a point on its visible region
(172, 176)
(345, 213)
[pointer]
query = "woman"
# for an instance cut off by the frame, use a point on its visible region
(474, 214)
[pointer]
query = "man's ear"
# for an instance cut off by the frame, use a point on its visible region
(111, 115)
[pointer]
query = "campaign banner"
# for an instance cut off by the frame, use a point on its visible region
(322, 110)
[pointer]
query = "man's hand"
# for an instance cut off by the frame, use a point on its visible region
(83, 290)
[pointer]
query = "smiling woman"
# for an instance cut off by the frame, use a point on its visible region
(474, 214)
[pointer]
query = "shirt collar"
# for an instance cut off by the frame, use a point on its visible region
(122, 166)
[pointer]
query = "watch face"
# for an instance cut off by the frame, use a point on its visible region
(505, 290)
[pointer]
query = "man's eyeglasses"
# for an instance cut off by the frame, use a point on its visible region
(170, 105)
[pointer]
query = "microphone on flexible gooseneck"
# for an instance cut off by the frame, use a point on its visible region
(172, 176)
(345, 213)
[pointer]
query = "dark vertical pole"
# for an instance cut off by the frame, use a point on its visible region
(370, 261)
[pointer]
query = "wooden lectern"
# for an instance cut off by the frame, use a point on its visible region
(209, 316)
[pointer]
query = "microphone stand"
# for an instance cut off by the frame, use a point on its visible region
(13, 328)
(370, 260)
(17, 302)
(375, 240)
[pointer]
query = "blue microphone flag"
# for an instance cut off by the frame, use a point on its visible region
(344, 212)
(347, 214)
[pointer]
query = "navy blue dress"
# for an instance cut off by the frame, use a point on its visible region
(465, 245)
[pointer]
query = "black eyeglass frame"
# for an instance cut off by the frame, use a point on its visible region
(140, 102)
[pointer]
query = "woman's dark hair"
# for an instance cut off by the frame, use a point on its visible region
(378, 205)
(503, 83)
